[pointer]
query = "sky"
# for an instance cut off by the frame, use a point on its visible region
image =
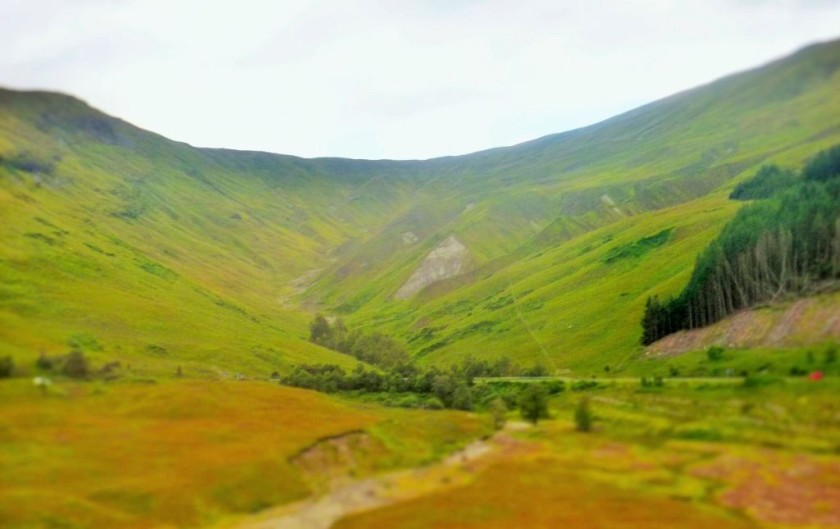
(388, 78)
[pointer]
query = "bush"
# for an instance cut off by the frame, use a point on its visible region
(76, 365)
(654, 382)
(7, 367)
(533, 403)
(498, 409)
(462, 398)
(536, 371)
(44, 362)
(758, 381)
(715, 353)
(830, 354)
(583, 385)
(583, 416)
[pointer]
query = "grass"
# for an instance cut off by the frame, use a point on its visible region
(144, 243)
(684, 455)
(570, 306)
(164, 257)
(738, 362)
(184, 453)
(541, 493)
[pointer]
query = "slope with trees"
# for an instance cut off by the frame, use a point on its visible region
(787, 244)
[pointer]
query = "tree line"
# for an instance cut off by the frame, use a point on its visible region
(375, 348)
(389, 354)
(434, 388)
(786, 243)
(391, 371)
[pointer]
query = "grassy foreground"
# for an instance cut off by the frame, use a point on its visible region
(187, 453)
(683, 455)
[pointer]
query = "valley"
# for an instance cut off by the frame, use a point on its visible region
(204, 337)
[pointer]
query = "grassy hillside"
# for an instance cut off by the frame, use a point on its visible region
(142, 244)
(647, 193)
(160, 254)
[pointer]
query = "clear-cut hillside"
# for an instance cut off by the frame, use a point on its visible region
(159, 253)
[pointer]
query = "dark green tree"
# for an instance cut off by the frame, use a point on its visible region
(44, 362)
(715, 353)
(319, 329)
(783, 245)
(7, 367)
(462, 397)
(583, 416)
(533, 403)
(444, 387)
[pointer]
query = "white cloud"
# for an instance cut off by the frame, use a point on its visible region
(388, 78)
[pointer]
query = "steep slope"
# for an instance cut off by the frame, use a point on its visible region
(549, 190)
(159, 253)
(148, 248)
(572, 295)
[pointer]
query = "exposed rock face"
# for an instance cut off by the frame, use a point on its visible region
(449, 259)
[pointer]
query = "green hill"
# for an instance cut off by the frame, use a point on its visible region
(157, 254)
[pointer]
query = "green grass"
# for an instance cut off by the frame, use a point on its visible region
(775, 361)
(146, 244)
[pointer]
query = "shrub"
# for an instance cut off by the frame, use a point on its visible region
(554, 387)
(533, 403)
(462, 398)
(44, 362)
(444, 389)
(583, 416)
(498, 409)
(7, 367)
(76, 365)
(797, 371)
(583, 385)
(758, 381)
(654, 382)
(715, 353)
(535, 371)
(831, 354)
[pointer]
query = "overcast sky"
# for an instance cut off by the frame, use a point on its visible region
(388, 78)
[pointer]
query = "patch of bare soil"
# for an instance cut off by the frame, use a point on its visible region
(347, 496)
(336, 459)
(803, 322)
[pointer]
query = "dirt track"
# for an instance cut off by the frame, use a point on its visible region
(364, 494)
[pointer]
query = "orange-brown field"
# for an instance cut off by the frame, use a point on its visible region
(555, 477)
(683, 456)
(195, 453)
(184, 453)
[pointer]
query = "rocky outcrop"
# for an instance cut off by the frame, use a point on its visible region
(450, 258)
